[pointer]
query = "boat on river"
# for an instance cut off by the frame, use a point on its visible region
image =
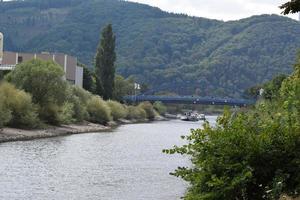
(202, 117)
(190, 116)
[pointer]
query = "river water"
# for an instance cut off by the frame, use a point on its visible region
(126, 164)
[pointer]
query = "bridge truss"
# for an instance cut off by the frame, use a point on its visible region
(190, 100)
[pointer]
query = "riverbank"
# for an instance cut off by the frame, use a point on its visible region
(14, 134)
(8, 134)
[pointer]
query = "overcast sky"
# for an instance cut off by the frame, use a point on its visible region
(219, 9)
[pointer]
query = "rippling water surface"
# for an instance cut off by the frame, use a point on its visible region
(126, 164)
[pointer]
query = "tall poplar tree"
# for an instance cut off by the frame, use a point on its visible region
(105, 63)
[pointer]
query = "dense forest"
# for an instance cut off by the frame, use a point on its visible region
(169, 52)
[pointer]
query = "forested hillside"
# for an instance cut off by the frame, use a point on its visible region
(170, 52)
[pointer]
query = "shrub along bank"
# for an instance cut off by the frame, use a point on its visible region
(253, 154)
(35, 94)
(16, 108)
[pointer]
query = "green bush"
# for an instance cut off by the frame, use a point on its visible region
(66, 113)
(77, 98)
(18, 107)
(82, 94)
(118, 111)
(98, 110)
(80, 112)
(150, 112)
(5, 113)
(253, 154)
(136, 113)
(52, 113)
(160, 107)
(250, 156)
(43, 80)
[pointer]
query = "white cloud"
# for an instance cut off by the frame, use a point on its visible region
(219, 9)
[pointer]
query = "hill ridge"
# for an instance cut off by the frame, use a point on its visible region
(172, 52)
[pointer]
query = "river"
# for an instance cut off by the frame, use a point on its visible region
(126, 164)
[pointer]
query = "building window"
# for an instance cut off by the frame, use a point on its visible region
(20, 59)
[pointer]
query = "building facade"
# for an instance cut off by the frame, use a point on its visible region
(73, 73)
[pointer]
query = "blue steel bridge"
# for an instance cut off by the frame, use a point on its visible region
(189, 100)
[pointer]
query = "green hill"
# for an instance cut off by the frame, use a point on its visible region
(170, 52)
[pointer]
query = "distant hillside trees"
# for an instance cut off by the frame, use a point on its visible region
(270, 88)
(105, 64)
(123, 87)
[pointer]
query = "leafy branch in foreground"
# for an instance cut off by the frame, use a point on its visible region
(253, 154)
(292, 6)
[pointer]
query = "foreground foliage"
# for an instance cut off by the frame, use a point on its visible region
(253, 154)
(292, 6)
